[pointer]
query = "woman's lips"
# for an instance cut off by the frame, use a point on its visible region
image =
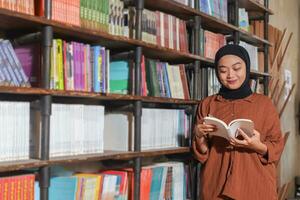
(231, 81)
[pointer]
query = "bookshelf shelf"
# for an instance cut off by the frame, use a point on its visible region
(92, 95)
(166, 151)
(116, 155)
(253, 39)
(20, 165)
(11, 20)
(23, 90)
(254, 7)
(107, 155)
(172, 7)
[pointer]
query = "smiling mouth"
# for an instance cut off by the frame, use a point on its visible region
(231, 82)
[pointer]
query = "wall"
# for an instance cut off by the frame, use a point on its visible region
(287, 15)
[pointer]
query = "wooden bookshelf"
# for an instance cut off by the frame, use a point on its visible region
(15, 24)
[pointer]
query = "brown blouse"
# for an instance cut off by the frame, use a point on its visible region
(238, 173)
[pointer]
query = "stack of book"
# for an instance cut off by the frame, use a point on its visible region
(82, 133)
(11, 72)
(161, 128)
(14, 133)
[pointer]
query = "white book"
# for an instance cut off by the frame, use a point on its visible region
(230, 130)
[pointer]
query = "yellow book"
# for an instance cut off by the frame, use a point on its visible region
(59, 65)
(90, 184)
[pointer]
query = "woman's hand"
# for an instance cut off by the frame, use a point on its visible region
(203, 129)
(200, 131)
(253, 142)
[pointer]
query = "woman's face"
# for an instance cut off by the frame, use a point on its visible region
(231, 71)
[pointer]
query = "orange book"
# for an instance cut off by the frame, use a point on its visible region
(1, 188)
(146, 179)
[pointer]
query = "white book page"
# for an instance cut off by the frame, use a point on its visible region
(245, 124)
(221, 127)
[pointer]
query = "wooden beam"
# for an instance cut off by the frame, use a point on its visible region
(280, 93)
(284, 53)
(286, 100)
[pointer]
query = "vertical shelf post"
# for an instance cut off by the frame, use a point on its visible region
(139, 4)
(236, 34)
(47, 34)
(266, 48)
(197, 94)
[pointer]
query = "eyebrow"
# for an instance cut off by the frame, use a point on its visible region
(231, 65)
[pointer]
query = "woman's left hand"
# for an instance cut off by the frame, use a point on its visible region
(253, 142)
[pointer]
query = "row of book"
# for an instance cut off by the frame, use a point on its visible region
(212, 81)
(88, 130)
(17, 187)
(103, 15)
(11, 70)
(78, 66)
(22, 6)
(161, 79)
(168, 180)
(160, 28)
(210, 43)
(14, 134)
(216, 8)
(161, 128)
(81, 133)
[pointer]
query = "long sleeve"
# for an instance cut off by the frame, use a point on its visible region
(197, 142)
(273, 139)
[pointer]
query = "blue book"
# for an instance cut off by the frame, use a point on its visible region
(36, 191)
(96, 69)
(63, 188)
(157, 175)
(103, 70)
(119, 77)
(166, 80)
(205, 6)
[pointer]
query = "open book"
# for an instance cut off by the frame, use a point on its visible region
(230, 130)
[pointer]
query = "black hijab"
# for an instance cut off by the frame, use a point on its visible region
(244, 90)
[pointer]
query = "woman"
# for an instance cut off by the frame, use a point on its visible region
(243, 168)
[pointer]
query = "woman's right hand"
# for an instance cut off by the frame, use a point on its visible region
(200, 131)
(203, 129)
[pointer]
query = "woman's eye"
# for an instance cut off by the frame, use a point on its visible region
(237, 69)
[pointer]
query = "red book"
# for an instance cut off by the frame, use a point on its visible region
(39, 7)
